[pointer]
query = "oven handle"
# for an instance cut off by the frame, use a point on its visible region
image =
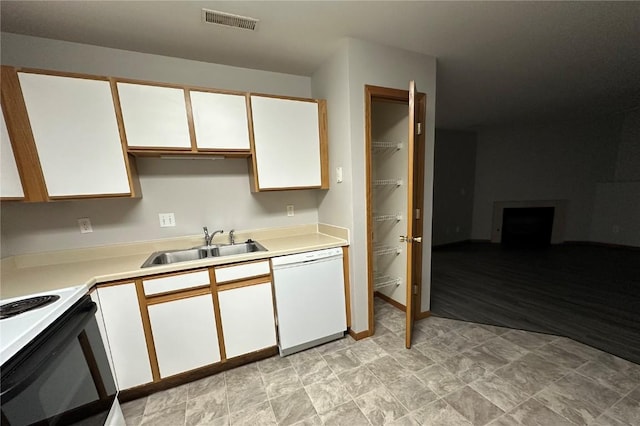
(27, 365)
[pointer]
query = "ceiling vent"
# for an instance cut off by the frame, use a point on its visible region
(227, 19)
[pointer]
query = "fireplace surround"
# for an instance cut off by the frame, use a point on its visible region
(559, 217)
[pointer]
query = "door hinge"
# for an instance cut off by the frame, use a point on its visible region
(417, 214)
(418, 128)
(415, 289)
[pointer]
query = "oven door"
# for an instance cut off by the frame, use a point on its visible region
(61, 377)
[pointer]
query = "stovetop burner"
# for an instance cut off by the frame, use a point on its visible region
(19, 306)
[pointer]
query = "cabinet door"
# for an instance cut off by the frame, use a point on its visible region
(220, 121)
(247, 319)
(154, 116)
(125, 334)
(10, 184)
(184, 334)
(76, 135)
(287, 143)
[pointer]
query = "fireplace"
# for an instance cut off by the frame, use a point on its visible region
(527, 226)
(521, 214)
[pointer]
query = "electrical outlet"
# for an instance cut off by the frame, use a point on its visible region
(290, 211)
(167, 220)
(85, 225)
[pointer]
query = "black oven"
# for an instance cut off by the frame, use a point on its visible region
(62, 377)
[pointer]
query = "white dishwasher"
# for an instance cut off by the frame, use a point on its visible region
(310, 301)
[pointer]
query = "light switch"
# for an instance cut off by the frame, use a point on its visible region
(339, 174)
(167, 219)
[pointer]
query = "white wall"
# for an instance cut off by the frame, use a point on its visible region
(368, 63)
(213, 193)
(545, 162)
(453, 185)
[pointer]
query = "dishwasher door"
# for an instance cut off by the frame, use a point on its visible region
(310, 300)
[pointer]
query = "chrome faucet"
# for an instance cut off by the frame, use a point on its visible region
(207, 237)
(232, 237)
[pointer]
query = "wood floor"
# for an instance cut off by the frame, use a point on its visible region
(587, 293)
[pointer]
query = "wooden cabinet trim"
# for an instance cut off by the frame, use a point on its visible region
(213, 90)
(21, 137)
(244, 277)
(218, 315)
(129, 162)
(148, 333)
(170, 274)
(289, 98)
(243, 282)
(254, 184)
(190, 122)
(62, 74)
(172, 296)
(247, 262)
(324, 144)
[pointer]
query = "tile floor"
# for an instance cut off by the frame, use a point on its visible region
(457, 373)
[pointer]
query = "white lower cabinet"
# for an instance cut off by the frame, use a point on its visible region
(125, 335)
(247, 318)
(184, 334)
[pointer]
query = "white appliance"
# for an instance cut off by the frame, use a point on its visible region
(53, 363)
(310, 299)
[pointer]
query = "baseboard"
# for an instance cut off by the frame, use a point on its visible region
(599, 244)
(423, 315)
(390, 301)
(199, 373)
(359, 336)
(449, 245)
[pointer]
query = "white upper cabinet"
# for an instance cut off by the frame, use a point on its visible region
(10, 184)
(154, 116)
(220, 121)
(288, 147)
(76, 134)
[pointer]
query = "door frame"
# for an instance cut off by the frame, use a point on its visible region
(386, 94)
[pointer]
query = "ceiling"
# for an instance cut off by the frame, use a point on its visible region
(498, 62)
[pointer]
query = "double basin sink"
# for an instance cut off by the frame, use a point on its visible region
(219, 250)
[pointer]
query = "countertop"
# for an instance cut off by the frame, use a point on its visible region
(33, 273)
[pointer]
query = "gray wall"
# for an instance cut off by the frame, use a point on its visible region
(580, 161)
(453, 185)
(213, 193)
(616, 209)
(341, 81)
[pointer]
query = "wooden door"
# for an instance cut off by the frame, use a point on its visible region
(415, 196)
(414, 209)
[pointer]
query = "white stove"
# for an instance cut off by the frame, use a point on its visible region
(18, 330)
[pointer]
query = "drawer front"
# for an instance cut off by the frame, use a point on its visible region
(175, 282)
(242, 271)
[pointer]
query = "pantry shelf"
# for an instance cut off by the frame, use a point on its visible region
(382, 281)
(378, 145)
(386, 250)
(387, 182)
(388, 217)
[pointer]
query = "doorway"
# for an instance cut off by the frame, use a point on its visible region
(394, 138)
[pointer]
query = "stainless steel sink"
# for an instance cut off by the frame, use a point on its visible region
(175, 256)
(231, 249)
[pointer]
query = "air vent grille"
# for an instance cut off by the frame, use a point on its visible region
(227, 19)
